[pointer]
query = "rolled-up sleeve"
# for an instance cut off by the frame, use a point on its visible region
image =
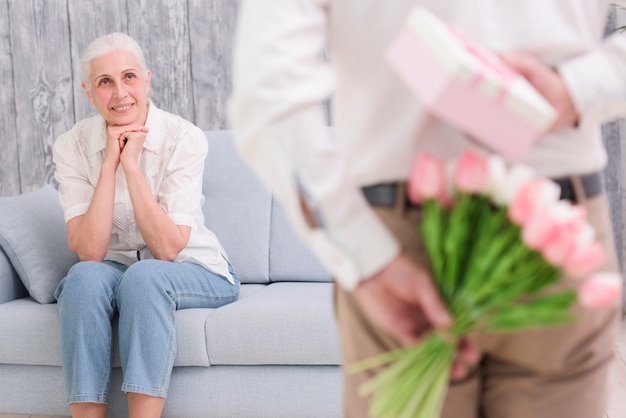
(597, 81)
(72, 173)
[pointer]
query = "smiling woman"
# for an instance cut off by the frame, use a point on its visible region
(130, 183)
(117, 82)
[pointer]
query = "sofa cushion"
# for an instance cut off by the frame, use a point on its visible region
(285, 323)
(33, 330)
(237, 209)
(33, 235)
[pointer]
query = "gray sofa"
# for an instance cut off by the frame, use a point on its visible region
(273, 353)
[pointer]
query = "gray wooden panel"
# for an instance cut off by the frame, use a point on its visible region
(161, 29)
(88, 21)
(9, 169)
(212, 26)
(44, 104)
(613, 181)
(615, 173)
(621, 204)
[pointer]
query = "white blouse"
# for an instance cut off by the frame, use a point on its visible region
(172, 161)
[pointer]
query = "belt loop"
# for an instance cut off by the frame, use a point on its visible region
(579, 190)
(401, 198)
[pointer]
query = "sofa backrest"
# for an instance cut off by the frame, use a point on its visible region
(250, 223)
(243, 214)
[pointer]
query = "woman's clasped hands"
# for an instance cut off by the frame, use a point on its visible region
(124, 143)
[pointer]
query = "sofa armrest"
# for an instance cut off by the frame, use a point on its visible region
(11, 286)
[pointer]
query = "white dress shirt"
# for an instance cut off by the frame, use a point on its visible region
(172, 161)
(280, 80)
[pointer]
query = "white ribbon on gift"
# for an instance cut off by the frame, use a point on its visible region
(476, 66)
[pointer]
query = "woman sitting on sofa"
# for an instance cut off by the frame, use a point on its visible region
(130, 183)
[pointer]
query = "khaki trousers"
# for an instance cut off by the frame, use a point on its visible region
(559, 372)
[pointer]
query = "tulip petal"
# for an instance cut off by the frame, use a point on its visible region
(601, 290)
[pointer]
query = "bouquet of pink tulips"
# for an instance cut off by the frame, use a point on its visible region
(497, 238)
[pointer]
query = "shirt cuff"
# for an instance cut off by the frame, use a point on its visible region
(356, 250)
(595, 84)
(182, 219)
(75, 211)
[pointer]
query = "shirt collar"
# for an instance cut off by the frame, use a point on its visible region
(154, 138)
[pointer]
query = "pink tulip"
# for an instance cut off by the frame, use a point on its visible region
(561, 242)
(553, 229)
(472, 173)
(600, 290)
(564, 237)
(537, 230)
(427, 179)
(531, 198)
(583, 260)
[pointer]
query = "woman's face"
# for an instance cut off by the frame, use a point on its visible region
(119, 89)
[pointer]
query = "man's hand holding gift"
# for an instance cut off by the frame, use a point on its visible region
(548, 83)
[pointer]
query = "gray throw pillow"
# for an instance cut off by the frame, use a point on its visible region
(34, 238)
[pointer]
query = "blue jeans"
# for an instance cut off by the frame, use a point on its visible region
(145, 295)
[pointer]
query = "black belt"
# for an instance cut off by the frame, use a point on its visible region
(385, 194)
(592, 185)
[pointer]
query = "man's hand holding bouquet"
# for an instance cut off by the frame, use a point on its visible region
(497, 239)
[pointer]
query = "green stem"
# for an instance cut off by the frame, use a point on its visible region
(432, 228)
(455, 244)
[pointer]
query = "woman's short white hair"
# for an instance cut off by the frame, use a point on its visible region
(107, 43)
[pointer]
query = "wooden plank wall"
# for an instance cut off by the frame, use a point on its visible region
(187, 46)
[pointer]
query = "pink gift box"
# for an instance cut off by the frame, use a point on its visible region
(469, 87)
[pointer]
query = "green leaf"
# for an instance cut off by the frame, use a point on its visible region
(456, 248)
(433, 230)
(548, 310)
